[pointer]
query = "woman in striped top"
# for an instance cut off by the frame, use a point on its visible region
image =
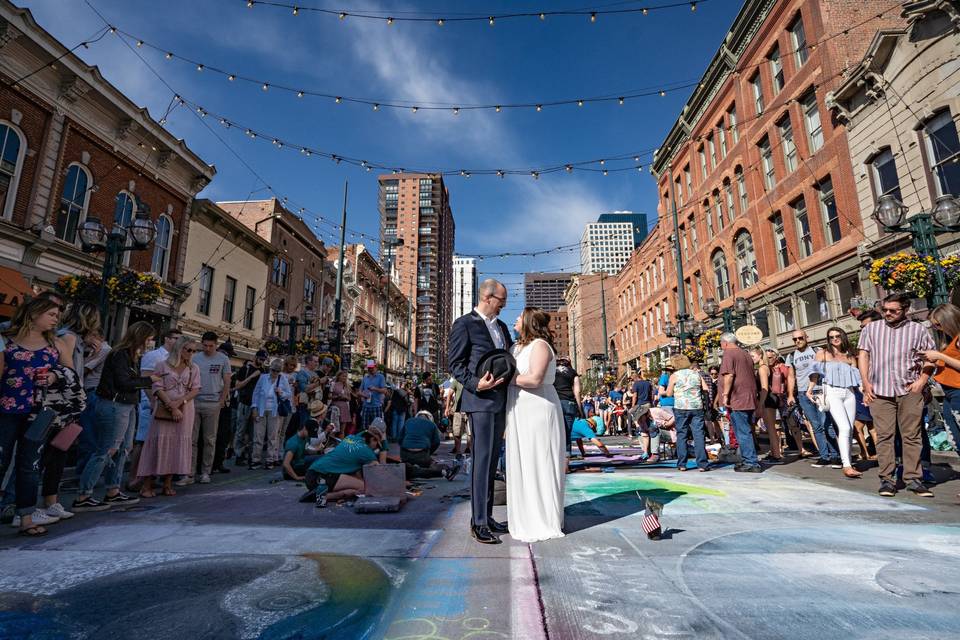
(836, 367)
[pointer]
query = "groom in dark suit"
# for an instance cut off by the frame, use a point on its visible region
(484, 398)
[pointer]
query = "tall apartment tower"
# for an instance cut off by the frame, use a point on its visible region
(465, 286)
(638, 220)
(415, 208)
(606, 247)
(545, 290)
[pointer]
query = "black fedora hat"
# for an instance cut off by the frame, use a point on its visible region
(499, 362)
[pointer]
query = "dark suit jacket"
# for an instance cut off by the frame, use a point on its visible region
(469, 341)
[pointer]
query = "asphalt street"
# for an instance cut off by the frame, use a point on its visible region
(795, 552)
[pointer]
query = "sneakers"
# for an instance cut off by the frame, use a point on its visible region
(820, 463)
(41, 518)
(919, 489)
(57, 511)
(254, 466)
(887, 489)
(453, 470)
(89, 504)
(835, 463)
(321, 495)
(120, 499)
(773, 460)
(748, 468)
(205, 478)
(185, 481)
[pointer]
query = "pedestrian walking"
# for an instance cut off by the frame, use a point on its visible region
(271, 390)
(567, 384)
(739, 395)
(894, 374)
(801, 363)
(687, 389)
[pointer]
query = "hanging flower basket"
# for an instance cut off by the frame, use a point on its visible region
(129, 288)
(695, 353)
(274, 346)
(307, 345)
(709, 340)
(913, 274)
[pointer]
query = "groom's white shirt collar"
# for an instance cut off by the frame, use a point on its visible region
(494, 328)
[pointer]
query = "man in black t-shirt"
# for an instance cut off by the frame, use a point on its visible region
(567, 384)
(641, 396)
(428, 396)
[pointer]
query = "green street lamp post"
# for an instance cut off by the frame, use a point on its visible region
(113, 243)
(733, 317)
(293, 326)
(891, 214)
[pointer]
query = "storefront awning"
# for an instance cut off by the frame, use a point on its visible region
(13, 287)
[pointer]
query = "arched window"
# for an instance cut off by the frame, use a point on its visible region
(12, 151)
(728, 194)
(74, 200)
(746, 259)
(124, 209)
(721, 275)
(161, 246)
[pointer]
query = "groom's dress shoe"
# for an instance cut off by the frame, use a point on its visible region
(498, 527)
(484, 535)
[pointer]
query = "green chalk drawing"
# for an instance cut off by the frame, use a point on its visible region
(600, 486)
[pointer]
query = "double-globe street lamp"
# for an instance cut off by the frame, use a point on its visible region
(733, 317)
(95, 238)
(923, 228)
(293, 325)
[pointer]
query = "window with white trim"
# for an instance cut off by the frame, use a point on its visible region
(746, 259)
(74, 200)
(798, 39)
(885, 174)
(804, 237)
(721, 275)
(787, 144)
(828, 206)
(943, 151)
(161, 247)
(811, 121)
(776, 69)
(12, 150)
(205, 290)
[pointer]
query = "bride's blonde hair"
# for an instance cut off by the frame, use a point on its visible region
(534, 323)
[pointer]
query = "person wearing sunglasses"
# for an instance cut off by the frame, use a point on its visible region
(801, 363)
(836, 369)
(168, 449)
(894, 374)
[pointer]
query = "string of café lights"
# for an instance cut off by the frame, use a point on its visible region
(377, 104)
(490, 18)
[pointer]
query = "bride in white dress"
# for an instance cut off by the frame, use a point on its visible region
(536, 455)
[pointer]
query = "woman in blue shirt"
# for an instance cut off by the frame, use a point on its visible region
(340, 470)
(271, 387)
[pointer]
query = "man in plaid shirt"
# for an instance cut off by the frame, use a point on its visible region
(894, 377)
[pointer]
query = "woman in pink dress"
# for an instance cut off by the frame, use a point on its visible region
(168, 450)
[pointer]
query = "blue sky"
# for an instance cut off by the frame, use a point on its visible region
(522, 60)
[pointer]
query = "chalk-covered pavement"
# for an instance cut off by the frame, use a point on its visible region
(792, 553)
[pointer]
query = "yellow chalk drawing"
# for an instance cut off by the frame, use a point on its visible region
(465, 628)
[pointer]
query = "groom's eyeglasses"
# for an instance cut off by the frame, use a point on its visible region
(503, 300)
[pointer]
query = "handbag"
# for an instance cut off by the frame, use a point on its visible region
(163, 411)
(42, 422)
(66, 436)
(284, 408)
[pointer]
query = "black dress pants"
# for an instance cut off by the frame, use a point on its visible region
(488, 429)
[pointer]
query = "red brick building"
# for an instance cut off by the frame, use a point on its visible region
(762, 178)
(75, 148)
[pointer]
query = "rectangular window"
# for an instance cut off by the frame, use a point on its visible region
(683, 240)
(722, 137)
(249, 303)
(885, 174)
(698, 282)
(815, 307)
(732, 119)
(785, 316)
(279, 274)
(688, 179)
(703, 164)
(798, 38)
(943, 150)
(742, 190)
(688, 292)
(776, 69)
(766, 159)
(847, 288)
(728, 192)
(708, 212)
(788, 145)
(693, 232)
(678, 192)
(757, 93)
(780, 241)
(309, 290)
(206, 290)
(828, 206)
(229, 297)
(719, 206)
(713, 153)
(804, 239)
(811, 121)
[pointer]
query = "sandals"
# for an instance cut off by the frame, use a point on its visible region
(148, 494)
(33, 532)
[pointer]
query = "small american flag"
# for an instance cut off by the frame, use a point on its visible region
(650, 522)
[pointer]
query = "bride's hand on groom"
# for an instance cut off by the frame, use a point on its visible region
(487, 382)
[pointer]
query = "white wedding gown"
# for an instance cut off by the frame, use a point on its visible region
(536, 455)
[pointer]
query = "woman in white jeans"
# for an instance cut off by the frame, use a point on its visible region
(836, 367)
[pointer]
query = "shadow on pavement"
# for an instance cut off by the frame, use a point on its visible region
(610, 507)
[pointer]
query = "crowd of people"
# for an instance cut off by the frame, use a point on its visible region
(811, 402)
(152, 413)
